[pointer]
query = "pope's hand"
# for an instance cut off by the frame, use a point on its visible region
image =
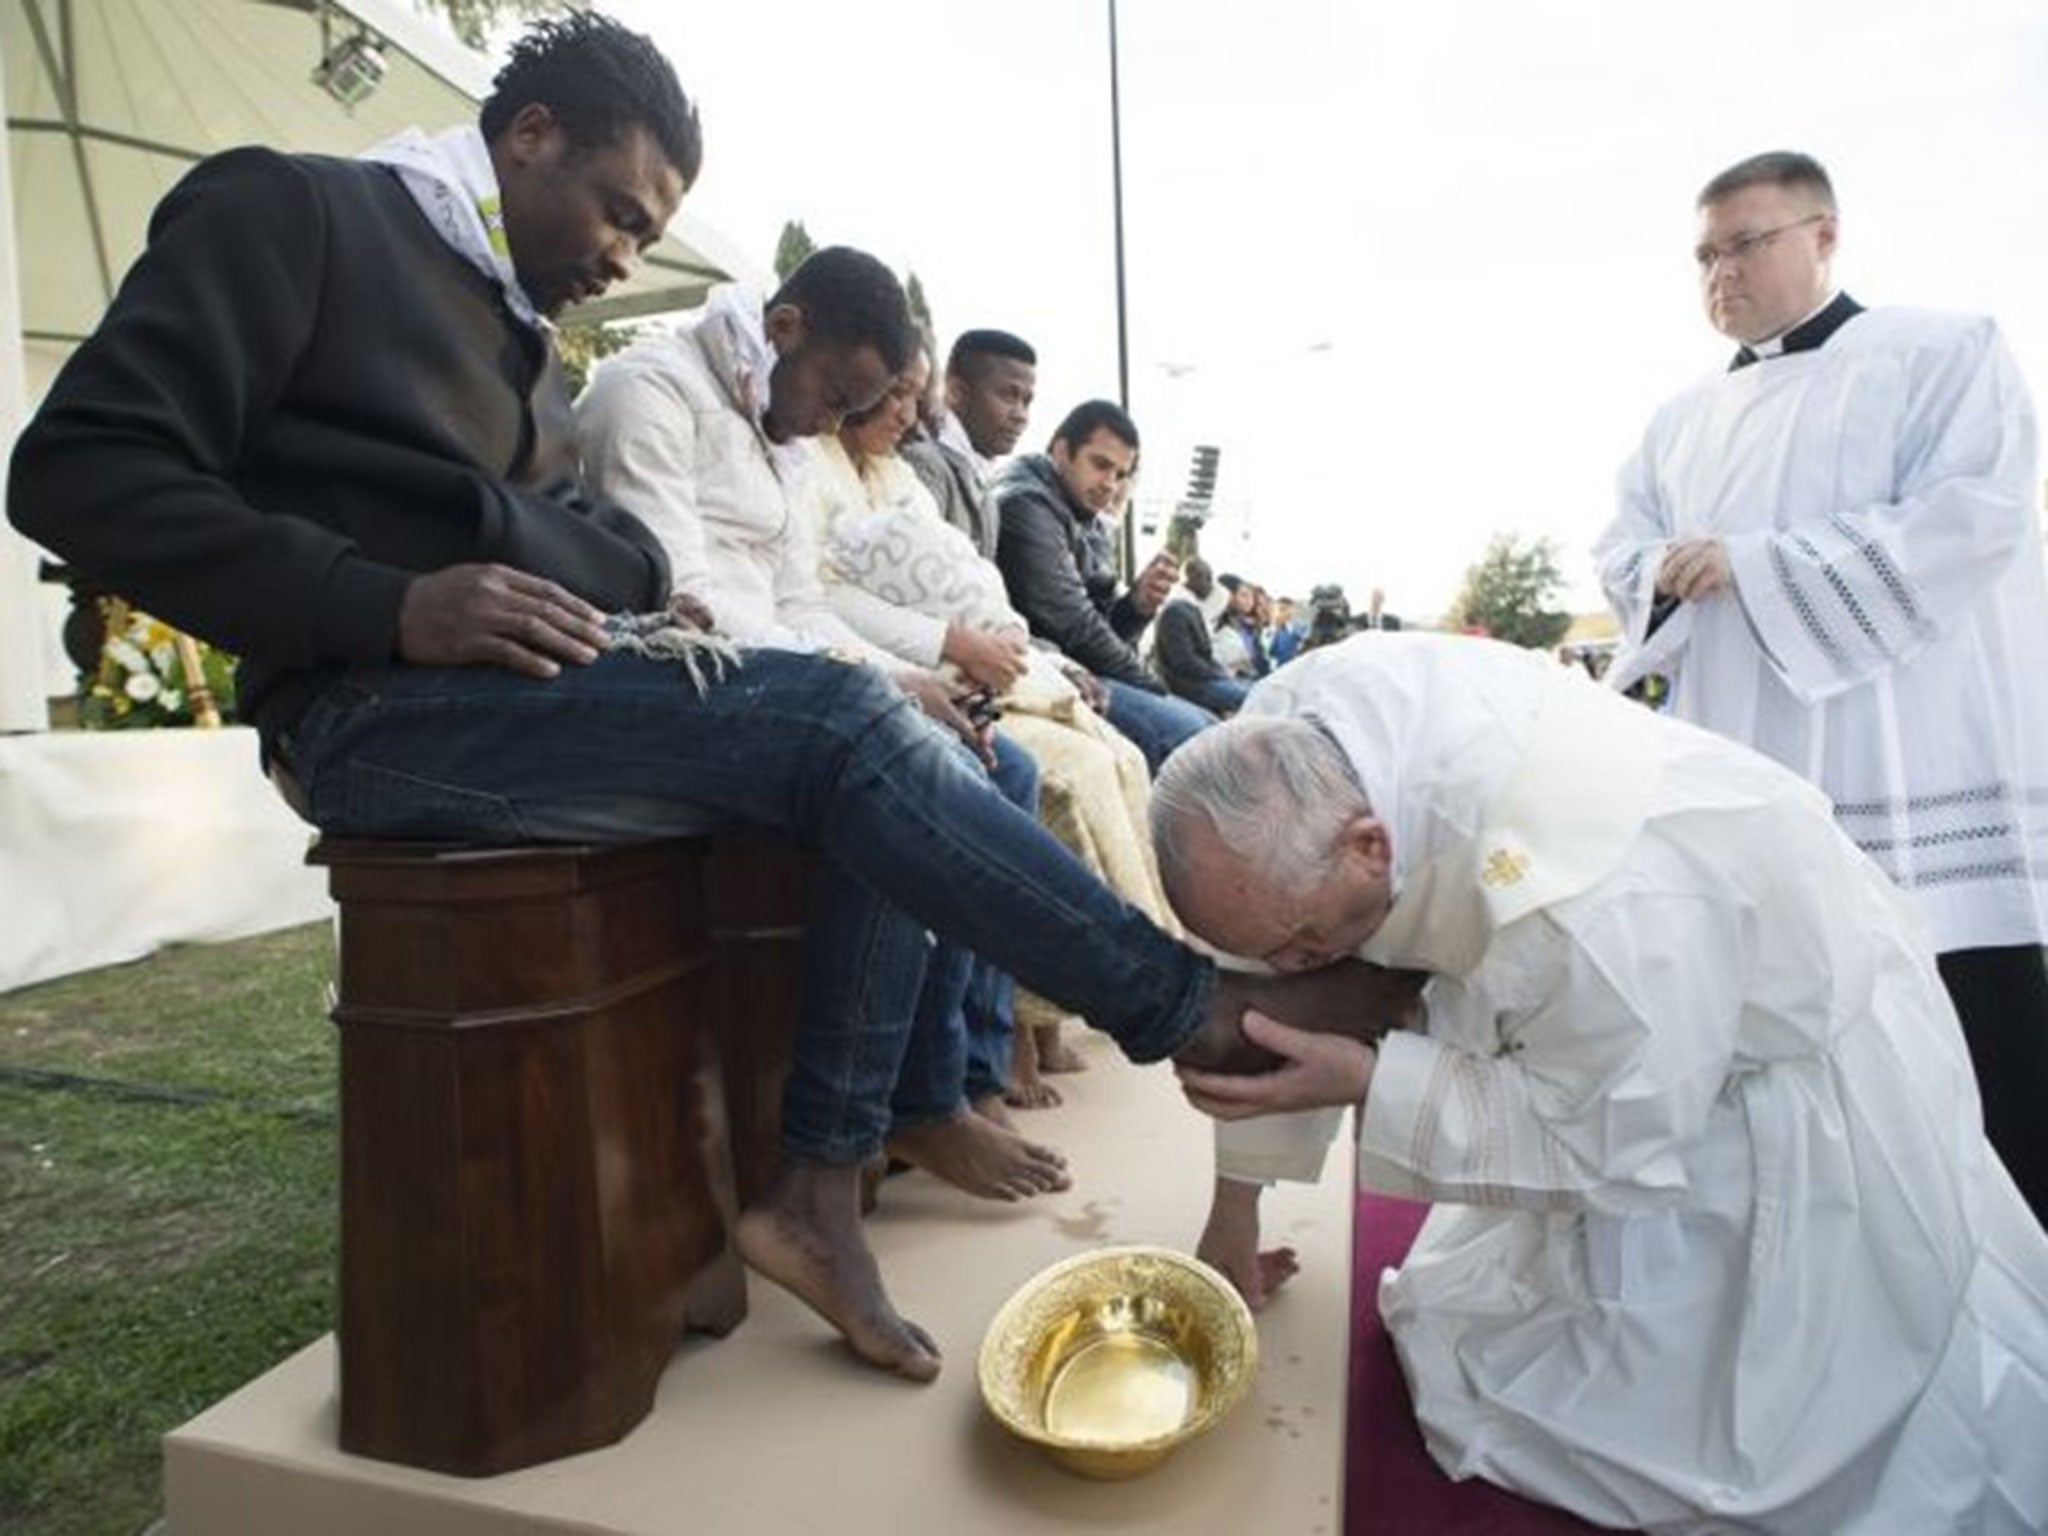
(1695, 568)
(1315, 1072)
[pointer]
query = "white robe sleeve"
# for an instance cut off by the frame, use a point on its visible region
(915, 637)
(1627, 557)
(1852, 591)
(1291, 1147)
(803, 613)
(1614, 1031)
(638, 440)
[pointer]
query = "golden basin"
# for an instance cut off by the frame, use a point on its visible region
(1114, 1359)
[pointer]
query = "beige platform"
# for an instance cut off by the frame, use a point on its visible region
(778, 1429)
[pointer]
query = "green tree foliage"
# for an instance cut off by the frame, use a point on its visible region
(920, 311)
(582, 345)
(1510, 593)
(475, 20)
(796, 243)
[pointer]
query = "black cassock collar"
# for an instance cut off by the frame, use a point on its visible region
(1807, 334)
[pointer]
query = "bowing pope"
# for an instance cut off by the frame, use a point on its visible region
(1718, 1243)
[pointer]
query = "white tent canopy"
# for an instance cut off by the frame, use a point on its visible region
(108, 102)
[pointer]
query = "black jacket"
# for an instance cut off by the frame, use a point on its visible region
(1182, 649)
(299, 399)
(1059, 562)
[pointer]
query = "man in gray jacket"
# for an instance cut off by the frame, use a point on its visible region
(1057, 551)
(991, 379)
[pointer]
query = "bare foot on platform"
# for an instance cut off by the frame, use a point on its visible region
(1027, 1089)
(1348, 997)
(1032, 1092)
(1054, 1054)
(982, 1158)
(990, 1108)
(806, 1237)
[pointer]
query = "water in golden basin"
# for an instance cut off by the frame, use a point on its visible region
(1112, 1360)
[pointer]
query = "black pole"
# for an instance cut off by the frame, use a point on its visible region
(1123, 345)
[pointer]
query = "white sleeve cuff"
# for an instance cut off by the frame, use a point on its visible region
(1290, 1147)
(1394, 1101)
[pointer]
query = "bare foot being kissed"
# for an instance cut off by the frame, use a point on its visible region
(806, 1237)
(973, 1153)
(1347, 997)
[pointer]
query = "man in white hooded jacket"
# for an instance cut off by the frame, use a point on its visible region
(1719, 1243)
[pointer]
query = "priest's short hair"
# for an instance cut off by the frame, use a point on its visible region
(1774, 168)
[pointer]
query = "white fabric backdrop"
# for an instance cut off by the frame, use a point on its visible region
(115, 842)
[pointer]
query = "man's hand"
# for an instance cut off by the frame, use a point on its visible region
(940, 699)
(1230, 1243)
(492, 615)
(1695, 568)
(993, 660)
(1315, 1071)
(691, 613)
(1154, 582)
(1091, 688)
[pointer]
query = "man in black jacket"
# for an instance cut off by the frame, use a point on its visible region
(1057, 552)
(1182, 649)
(323, 425)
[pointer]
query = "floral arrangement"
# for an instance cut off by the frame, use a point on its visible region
(141, 683)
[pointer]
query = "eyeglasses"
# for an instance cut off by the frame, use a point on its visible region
(1742, 247)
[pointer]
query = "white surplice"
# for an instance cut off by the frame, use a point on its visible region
(1719, 1243)
(1887, 636)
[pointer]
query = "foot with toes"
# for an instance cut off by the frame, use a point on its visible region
(806, 1237)
(973, 1153)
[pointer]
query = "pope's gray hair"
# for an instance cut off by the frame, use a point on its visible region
(1277, 793)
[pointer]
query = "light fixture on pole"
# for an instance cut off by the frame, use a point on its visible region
(1123, 347)
(351, 66)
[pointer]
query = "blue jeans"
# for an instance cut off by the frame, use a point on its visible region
(1155, 722)
(626, 749)
(959, 1047)
(1218, 695)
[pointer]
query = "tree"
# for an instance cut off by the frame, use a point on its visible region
(796, 243)
(475, 20)
(920, 311)
(582, 345)
(1509, 593)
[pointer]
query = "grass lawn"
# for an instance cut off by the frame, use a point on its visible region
(167, 1191)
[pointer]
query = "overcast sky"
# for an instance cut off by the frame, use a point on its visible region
(1422, 271)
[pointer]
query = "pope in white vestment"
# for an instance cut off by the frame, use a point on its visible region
(1719, 1243)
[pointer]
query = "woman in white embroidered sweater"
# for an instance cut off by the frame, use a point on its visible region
(909, 583)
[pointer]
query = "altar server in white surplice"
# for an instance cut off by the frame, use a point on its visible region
(1831, 552)
(1719, 1243)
